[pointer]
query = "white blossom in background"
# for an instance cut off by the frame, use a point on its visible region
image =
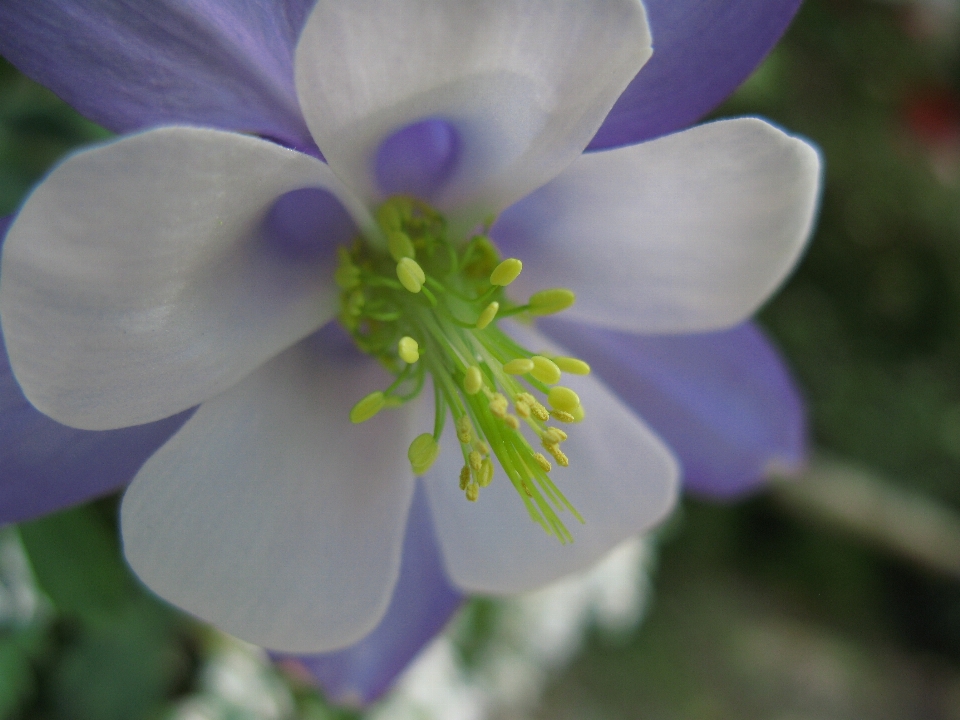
(535, 635)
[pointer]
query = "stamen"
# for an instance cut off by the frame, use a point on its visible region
(475, 460)
(486, 473)
(558, 455)
(545, 370)
(368, 407)
(472, 380)
(464, 430)
(549, 302)
(488, 314)
(422, 453)
(498, 406)
(543, 462)
(410, 274)
(563, 398)
(553, 436)
(572, 365)
(427, 305)
(408, 350)
(506, 272)
(518, 366)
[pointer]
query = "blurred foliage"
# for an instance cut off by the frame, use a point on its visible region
(760, 613)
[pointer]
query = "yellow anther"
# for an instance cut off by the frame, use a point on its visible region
(506, 272)
(422, 453)
(536, 409)
(545, 370)
(488, 314)
(498, 405)
(473, 492)
(486, 472)
(410, 274)
(578, 414)
(548, 302)
(572, 365)
(553, 436)
(523, 410)
(400, 245)
(472, 380)
(464, 477)
(408, 349)
(481, 447)
(512, 421)
(563, 398)
(539, 412)
(475, 459)
(518, 366)
(558, 455)
(542, 462)
(367, 407)
(464, 430)
(562, 416)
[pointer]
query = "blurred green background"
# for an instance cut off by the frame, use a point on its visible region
(837, 597)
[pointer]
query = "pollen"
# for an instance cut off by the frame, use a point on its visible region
(498, 405)
(475, 461)
(464, 430)
(542, 462)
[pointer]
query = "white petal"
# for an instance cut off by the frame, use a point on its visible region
(687, 233)
(621, 478)
(135, 282)
(272, 516)
(525, 82)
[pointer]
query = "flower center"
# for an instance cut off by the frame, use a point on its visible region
(430, 305)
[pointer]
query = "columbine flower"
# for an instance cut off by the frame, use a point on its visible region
(268, 513)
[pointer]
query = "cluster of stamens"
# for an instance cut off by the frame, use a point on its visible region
(424, 304)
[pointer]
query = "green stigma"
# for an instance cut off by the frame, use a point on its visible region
(429, 304)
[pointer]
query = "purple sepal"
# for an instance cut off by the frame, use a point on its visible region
(723, 401)
(46, 466)
(132, 64)
(422, 603)
(702, 51)
(417, 159)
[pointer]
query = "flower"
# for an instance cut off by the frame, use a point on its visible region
(280, 119)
